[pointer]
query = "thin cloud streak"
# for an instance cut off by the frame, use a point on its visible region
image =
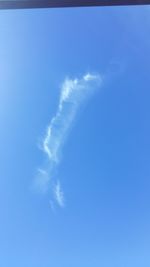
(59, 195)
(73, 93)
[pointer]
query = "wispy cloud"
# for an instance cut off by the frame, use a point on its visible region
(73, 93)
(59, 195)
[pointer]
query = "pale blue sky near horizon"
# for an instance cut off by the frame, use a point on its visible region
(104, 170)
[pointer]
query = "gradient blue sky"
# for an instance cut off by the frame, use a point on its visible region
(104, 169)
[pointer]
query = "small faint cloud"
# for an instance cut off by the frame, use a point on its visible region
(41, 181)
(59, 195)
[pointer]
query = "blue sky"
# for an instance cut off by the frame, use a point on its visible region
(102, 174)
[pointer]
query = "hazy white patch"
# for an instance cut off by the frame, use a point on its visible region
(42, 180)
(52, 206)
(59, 195)
(90, 77)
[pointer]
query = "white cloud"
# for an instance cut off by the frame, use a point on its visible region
(90, 77)
(59, 195)
(73, 93)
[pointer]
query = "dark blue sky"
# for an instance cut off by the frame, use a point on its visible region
(104, 170)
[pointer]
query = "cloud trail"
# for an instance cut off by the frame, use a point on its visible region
(59, 195)
(73, 93)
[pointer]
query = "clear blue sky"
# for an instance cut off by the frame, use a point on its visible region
(104, 169)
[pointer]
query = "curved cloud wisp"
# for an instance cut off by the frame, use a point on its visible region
(73, 93)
